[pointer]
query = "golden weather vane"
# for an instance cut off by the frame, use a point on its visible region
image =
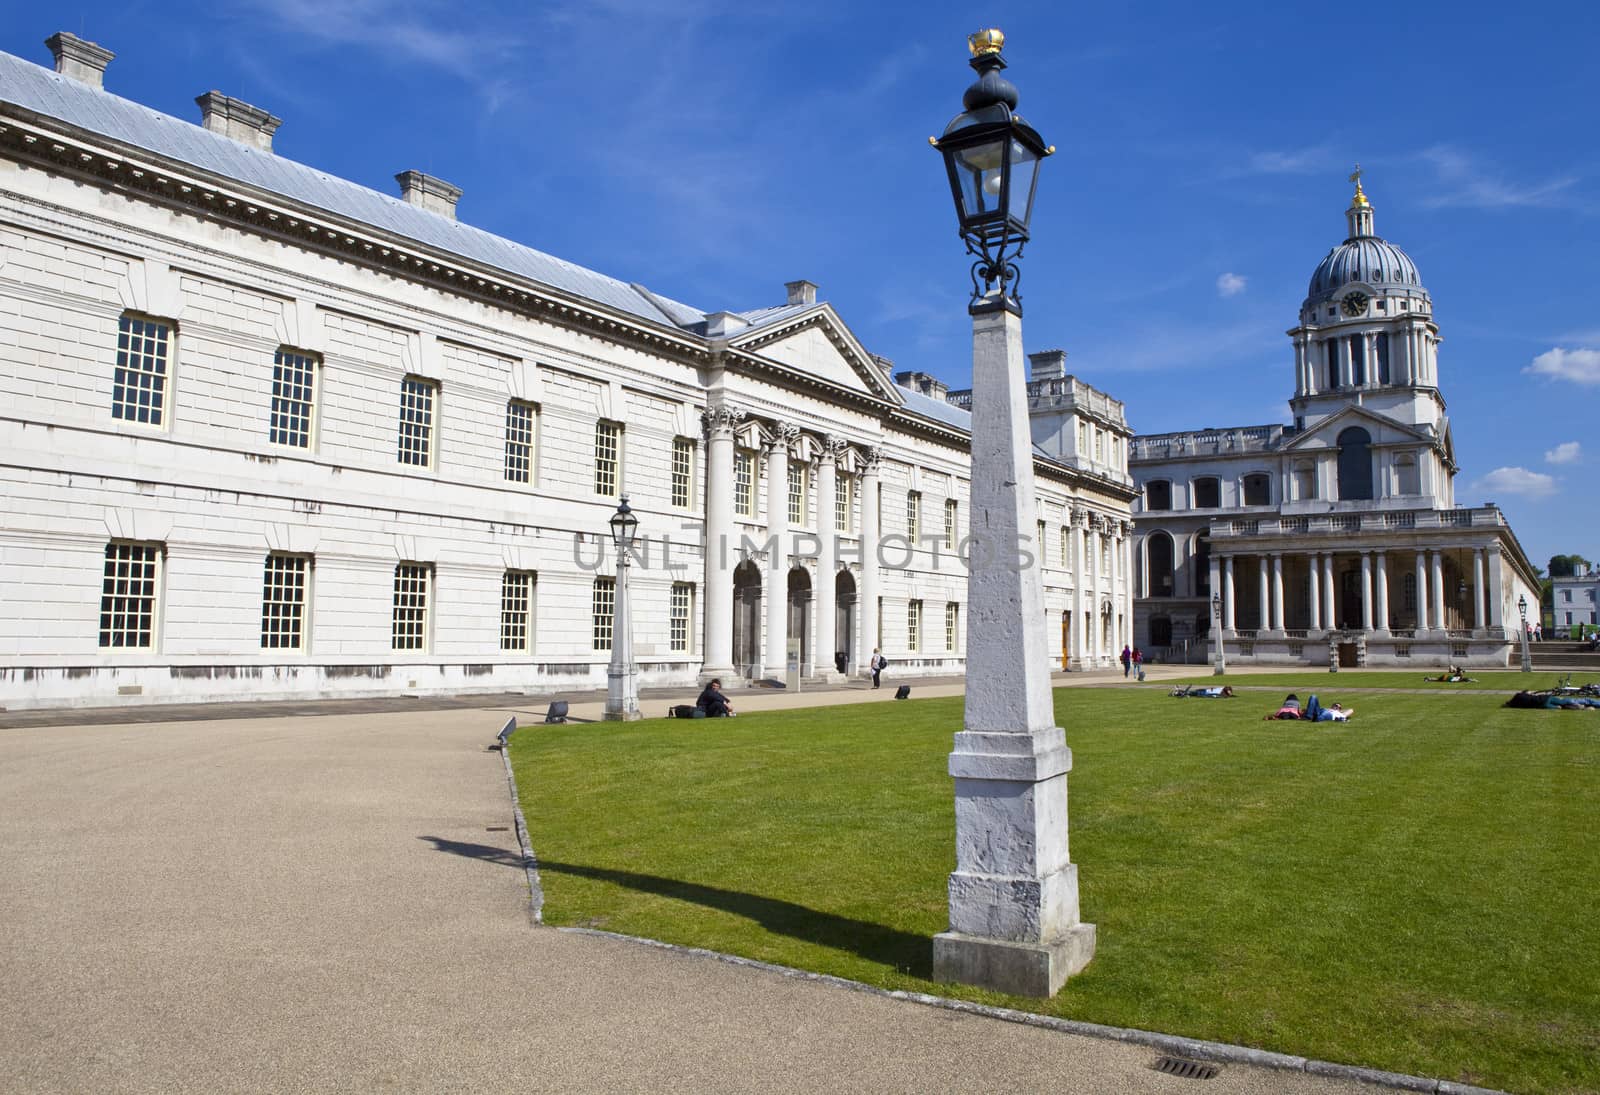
(1355, 177)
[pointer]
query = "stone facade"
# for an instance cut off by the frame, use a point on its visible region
(1576, 602)
(274, 435)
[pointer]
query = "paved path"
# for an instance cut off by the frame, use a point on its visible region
(333, 903)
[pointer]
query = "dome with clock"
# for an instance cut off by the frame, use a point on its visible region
(1364, 261)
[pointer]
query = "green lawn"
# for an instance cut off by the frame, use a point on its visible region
(1320, 680)
(1412, 891)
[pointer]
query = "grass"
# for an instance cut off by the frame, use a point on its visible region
(1320, 681)
(1411, 891)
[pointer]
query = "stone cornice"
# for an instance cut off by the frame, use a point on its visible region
(40, 142)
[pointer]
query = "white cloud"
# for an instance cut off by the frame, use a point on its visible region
(1518, 481)
(1300, 161)
(1568, 452)
(1578, 366)
(1464, 183)
(1230, 284)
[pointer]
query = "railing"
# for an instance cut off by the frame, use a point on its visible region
(1294, 524)
(1296, 633)
(1249, 528)
(1400, 520)
(1403, 632)
(1355, 522)
(962, 399)
(1345, 522)
(1456, 517)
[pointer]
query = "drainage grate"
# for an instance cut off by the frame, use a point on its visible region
(1188, 1070)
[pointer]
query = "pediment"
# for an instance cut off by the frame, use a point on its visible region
(817, 345)
(1384, 431)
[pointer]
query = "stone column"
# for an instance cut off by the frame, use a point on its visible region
(1422, 591)
(1477, 591)
(1496, 618)
(1382, 567)
(719, 542)
(1264, 620)
(1331, 603)
(827, 588)
(1091, 550)
(1277, 592)
(1366, 591)
(1075, 542)
(1370, 350)
(777, 582)
(867, 610)
(1314, 588)
(1014, 915)
(1436, 601)
(1227, 595)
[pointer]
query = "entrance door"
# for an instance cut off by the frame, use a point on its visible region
(747, 618)
(800, 615)
(844, 626)
(1350, 600)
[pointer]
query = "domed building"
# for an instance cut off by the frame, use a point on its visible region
(1337, 538)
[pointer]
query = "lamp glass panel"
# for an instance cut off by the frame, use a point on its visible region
(622, 529)
(980, 169)
(1024, 174)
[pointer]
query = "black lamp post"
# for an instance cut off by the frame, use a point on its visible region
(1522, 632)
(622, 680)
(992, 157)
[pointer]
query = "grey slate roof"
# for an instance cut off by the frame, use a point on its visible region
(950, 415)
(44, 92)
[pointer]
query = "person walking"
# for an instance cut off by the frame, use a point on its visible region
(1138, 664)
(878, 664)
(1127, 662)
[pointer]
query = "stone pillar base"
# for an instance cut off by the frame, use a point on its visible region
(726, 675)
(622, 716)
(1022, 969)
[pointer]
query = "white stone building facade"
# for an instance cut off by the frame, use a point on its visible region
(1336, 539)
(272, 434)
(1576, 602)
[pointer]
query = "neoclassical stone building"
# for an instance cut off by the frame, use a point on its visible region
(271, 433)
(1337, 537)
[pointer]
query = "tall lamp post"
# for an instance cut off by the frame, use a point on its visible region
(1014, 921)
(622, 677)
(1522, 634)
(1216, 629)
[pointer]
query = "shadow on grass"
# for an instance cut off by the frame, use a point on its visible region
(912, 954)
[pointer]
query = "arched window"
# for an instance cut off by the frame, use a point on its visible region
(1355, 464)
(1258, 490)
(1202, 565)
(1207, 493)
(1159, 547)
(1158, 495)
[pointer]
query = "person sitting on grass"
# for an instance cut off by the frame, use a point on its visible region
(714, 702)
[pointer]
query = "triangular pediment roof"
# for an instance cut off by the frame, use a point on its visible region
(812, 341)
(1325, 434)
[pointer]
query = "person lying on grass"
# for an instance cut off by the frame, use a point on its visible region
(1312, 712)
(1454, 675)
(1213, 692)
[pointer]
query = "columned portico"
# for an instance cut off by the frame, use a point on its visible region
(1263, 621)
(1383, 593)
(1227, 595)
(1478, 619)
(1423, 621)
(1079, 625)
(1330, 605)
(776, 649)
(1314, 590)
(719, 424)
(868, 609)
(1277, 592)
(1366, 591)
(1436, 586)
(826, 584)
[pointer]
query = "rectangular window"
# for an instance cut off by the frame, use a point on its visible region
(139, 387)
(913, 625)
(516, 611)
(417, 399)
(128, 594)
(682, 472)
(283, 602)
(410, 627)
(604, 604)
(294, 390)
(951, 508)
(744, 483)
(682, 612)
(844, 489)
(798, 475)
(1039, 541)
(952, 625)
(521, 429)
(1099, 445)
(913, 515)
(607, 458)
(1105, 556)
(1066, 548)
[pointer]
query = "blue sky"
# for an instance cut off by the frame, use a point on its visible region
(713, 150)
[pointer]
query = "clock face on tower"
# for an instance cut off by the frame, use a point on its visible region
(1354, 304)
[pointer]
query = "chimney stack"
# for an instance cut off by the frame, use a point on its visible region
(801, 292)
(83, 61)
(427, 192)
(1048, 365)
(923, 383)
(237, 119)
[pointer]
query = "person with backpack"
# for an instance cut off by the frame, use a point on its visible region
(878, 664)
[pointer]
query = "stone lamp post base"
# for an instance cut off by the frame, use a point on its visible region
(1022, 969)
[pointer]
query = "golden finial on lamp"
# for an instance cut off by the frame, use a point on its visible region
(986, 41)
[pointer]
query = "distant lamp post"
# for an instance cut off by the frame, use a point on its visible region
(1216, 630)
(622, 678)
(1014, 908)
(1522, 633)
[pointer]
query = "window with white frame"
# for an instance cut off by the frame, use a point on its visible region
(844, 491)
(951, 519)
(412, 586)
(1099, 444)
(285, 584)
(913, 625)
(744, 483)
(682, 472)
(418, 398)
(607, 458)
(516, 610)
(522, 431)
(139, 386)
(799, 475)
(913, 515)
(1066, 548)
(1105, 555)
(1039, 541)
(294, 398)
(681, 613)
(603, 606)
(952, 626)
(130, 594)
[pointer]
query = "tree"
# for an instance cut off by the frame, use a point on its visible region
(1565, 566)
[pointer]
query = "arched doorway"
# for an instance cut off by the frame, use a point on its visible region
(1159, 549)
(1355, 464)
(844, 619)
(800, 614)
(747, 618)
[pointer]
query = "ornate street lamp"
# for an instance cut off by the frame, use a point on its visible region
(992, 157)
(622, 676)
(1216, 629)
(1014, 921)
(1522, 632)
